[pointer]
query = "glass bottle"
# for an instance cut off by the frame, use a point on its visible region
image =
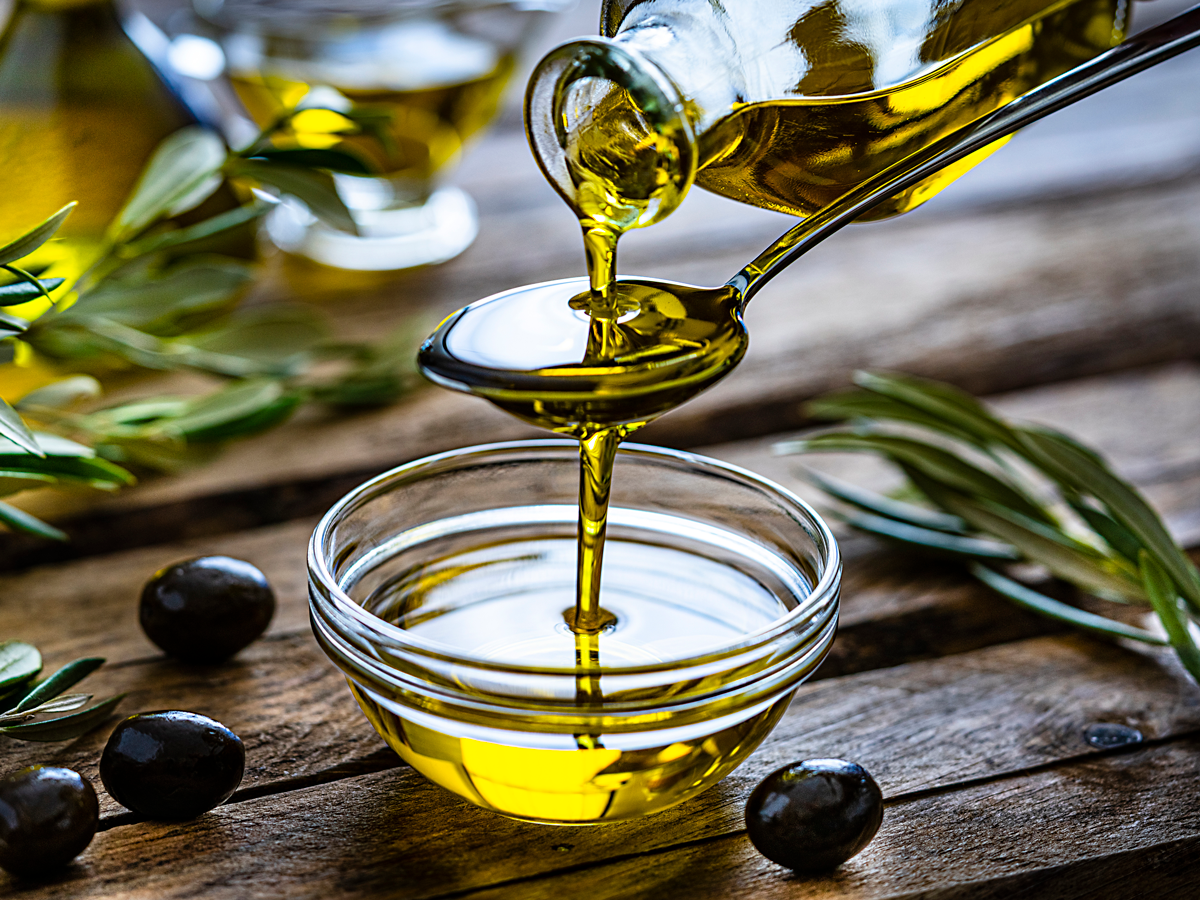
(81, 110)
(786, 105)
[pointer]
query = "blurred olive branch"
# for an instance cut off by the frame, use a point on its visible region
(994, 493)
(162, 296)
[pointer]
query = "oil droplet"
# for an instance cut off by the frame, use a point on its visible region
(1107, 735)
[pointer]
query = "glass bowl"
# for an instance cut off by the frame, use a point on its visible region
(440, 588)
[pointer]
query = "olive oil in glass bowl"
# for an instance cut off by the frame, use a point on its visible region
(443, 590)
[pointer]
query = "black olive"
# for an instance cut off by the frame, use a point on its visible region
(813, 815)
(206, 609)
(172, 765)
(47, 817)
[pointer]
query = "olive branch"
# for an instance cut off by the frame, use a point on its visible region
(33, 710)
(994, 492)
(161, 295)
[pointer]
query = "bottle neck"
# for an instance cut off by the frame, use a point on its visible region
(691, 44)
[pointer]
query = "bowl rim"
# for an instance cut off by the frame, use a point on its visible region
(814, 606)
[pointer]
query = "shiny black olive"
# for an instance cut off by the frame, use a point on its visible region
(206, 609)
(172, 765)
(813, 815)
(47, 817)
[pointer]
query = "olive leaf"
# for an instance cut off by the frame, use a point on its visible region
(1117, 550)
(15, 430)
(12, 325)
(35, 237)
(183, 172)
(315, 189)
(19, 662)
(64, 392)
(68, 676)
(176, 239)
(1164, 597)
(19, 520)
(22, 292)
(64, 728)
(1056, 609)
(330, 158)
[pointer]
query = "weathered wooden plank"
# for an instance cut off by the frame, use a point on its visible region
(1131, 804)
(1018, 297)
(921, 729)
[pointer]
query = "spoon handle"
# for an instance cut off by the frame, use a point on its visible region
(1140, 52)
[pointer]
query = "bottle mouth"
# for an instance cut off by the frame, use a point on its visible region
(611, 132)
(409, 507)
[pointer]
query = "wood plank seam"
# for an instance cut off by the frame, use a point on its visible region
(740, 833)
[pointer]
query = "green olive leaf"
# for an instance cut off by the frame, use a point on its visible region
(51, 444)
(19, 520)
(57, 395)
(936, 541)
(91, 471)
(34, 238)
(1061, 554)
(19, 662)
(177, 239)
(880, 505)
(1083, 471)
(858, 404)
(64, 728)
(184, 170)
(333, 159)
(935, 463)
(68, 676)
(270, 334)
(1165, 598)
(10, 326)
(313, 188)
(1111, 531)
(1056, 609)
(15, 430)
(23, 292)
(943, 403)
(184, 295)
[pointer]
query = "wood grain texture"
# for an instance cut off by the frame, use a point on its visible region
(1011, 827)
(972, 725)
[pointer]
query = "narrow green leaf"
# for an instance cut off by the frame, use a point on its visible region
(57, 395)
(19, 662)
(174, 240)
(31, 240)
(1056, 609)
(1083, 471)
(1109, 529)
(938, 541)
(1164, 597)
(68, 676)
(877, 503)
(336, 160)
(934, 462)
(943, 402)
(19, 520)
(28, 280)
(17, 431)
(1065, 557)
(858, 404)
(84, 470)
(51, 444)
(64, 728)
(184, 168)
(270, 334)
(22, 291)
(11, 326)
(315, 189)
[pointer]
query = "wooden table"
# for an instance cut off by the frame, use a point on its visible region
(1074, 301)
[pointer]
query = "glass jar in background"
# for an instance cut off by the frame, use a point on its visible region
(403, 84)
